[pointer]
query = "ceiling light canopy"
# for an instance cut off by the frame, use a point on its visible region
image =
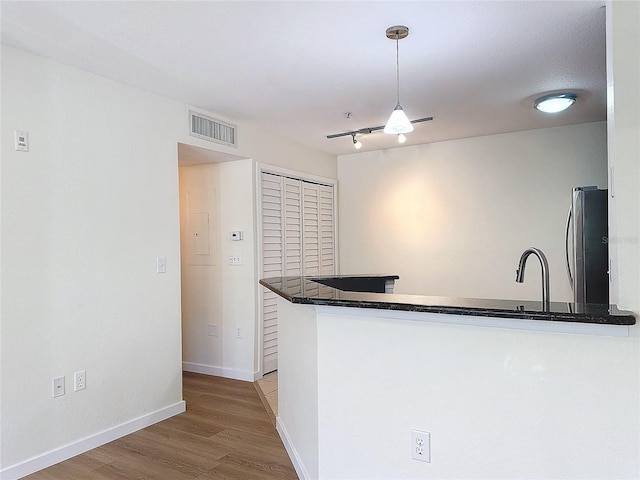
(398, 121)
(555, 103)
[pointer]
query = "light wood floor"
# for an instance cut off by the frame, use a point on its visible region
(224, 434)
(267, 388)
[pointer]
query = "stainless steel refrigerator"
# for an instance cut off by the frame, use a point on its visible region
(587, 245)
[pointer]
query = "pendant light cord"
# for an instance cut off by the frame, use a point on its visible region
(397, 69)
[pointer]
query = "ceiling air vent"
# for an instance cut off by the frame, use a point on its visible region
(213, 130)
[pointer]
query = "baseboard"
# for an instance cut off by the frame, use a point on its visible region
(245, 375)
(291, 450)
(60, 454)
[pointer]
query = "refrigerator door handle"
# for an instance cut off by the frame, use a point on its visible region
(566, 246)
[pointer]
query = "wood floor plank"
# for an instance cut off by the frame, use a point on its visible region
(249, 467)
(225, 434)
(247, 442)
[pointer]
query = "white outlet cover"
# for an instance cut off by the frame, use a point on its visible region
(421, 446)
(79, 381)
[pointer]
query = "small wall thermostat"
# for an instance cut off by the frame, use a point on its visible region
(237, 235)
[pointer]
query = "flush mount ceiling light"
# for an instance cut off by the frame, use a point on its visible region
(555, 103)
(398, 121)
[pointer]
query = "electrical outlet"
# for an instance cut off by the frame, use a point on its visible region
(58, 386)
(79, 381)
(421, 446)
(238, 332)
(213, 330)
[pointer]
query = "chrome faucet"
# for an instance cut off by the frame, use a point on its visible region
(545, 272)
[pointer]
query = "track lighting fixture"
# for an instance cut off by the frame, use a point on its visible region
(398, 121)
(368, 130)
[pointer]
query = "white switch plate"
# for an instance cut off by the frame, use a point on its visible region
(238, 332)
(58, 386)
(161, 265)
(213, 330)
(21, 141)
(235, 259)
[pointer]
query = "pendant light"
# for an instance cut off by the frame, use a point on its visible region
(398, 121)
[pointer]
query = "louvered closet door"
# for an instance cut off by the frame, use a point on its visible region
(297, 239)
(272, 253)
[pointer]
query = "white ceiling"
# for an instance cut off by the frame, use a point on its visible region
(296, 67)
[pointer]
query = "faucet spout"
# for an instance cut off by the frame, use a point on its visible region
(545, 272)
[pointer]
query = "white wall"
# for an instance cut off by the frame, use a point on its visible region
(239, 288)
(298, 392)
(452, 218)
(623, 72)
(499, 403)
(201, 274)
(85, 213)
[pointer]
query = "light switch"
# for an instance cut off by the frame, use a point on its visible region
(161, 265)
(21, 141)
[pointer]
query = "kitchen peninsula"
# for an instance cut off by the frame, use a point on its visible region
(363, 369)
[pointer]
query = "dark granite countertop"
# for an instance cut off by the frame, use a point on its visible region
(305, 290)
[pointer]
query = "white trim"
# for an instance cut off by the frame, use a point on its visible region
(65, 452)
(285, 172)
(496, 322)
(216, 371)
(291, 450)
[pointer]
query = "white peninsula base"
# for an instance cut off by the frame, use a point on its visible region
(499, 403)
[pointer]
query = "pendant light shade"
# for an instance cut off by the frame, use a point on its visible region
(398, 122)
